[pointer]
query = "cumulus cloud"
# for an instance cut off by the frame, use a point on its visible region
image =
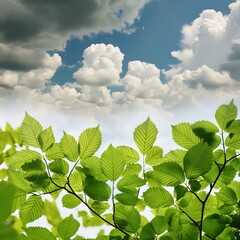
(102, 65)
(205, 77)
(35, 78)
(48, 24)
(143, 81)
(209, 55)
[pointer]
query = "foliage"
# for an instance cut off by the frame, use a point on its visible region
(192, 192)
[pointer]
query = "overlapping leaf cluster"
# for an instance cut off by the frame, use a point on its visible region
(192, 192)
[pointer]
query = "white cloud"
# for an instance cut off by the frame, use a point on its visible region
(143, 81)
(35, 78)
(209, 56)
(102, 65)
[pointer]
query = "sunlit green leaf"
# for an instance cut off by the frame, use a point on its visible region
(130, 154)
(99, 207)
(233, 141)
(225, 114)
(69, 147)
(132, 169)
(128, 199)
(112, 163)
(145, 135)
(213, 225)
(7, 192)
(46, 139)
(184, 136)
(70, 201)
(39, 233)
(127, 218)
(159, 224)
(147, 232)
(68, 227)
(129, 183)
(198, 160)
(30, 131)
(154, 156)
(31, 210)
(76, 181)
(227, 195)
(59, 166)
(234, 127)
(54, 152)
(90, 141)
(158, 197)
(169, 174)
(21, 157)
(98, 190)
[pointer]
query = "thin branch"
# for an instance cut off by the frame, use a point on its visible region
(190, 190)
(190, 217)
(93, 211)
(231, 158)
(76, 163)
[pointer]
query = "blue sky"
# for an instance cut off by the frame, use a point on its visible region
(158, 32)
(117, 62)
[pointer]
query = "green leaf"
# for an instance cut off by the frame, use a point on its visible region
(129, 183)
(154, 156)
(158, 197)
(213, 225)
(203, 127)
(112, 163)
(128, 199)
(59, 166)
(147, 232)
(145, 135)
(98, 190)
(30, 131)
(169, 174)
(234, 127)
(159, 224)
(21, 157)
(198, 160)
(130, 154)
(7, 192)
(93, 165)
(54, 152)
(227, 195)
(175, 156)
(68, 227)
(69, 147)
(132, 169)
(31, 210)
(179, 191)
(127, 218)
(184, 136)
(90, 141)
(233, 141)
(76, 181)
(207, 131)
(225, 114)
(70, 201)
(99, 207)
(39, 233)
(46, 139)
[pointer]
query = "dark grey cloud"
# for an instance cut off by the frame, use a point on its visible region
(29, 28)
(24, 21)
(232, 66)
(20, 59)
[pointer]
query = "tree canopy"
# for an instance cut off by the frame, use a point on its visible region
(191, 192)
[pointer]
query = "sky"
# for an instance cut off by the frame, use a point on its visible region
(76, 64)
